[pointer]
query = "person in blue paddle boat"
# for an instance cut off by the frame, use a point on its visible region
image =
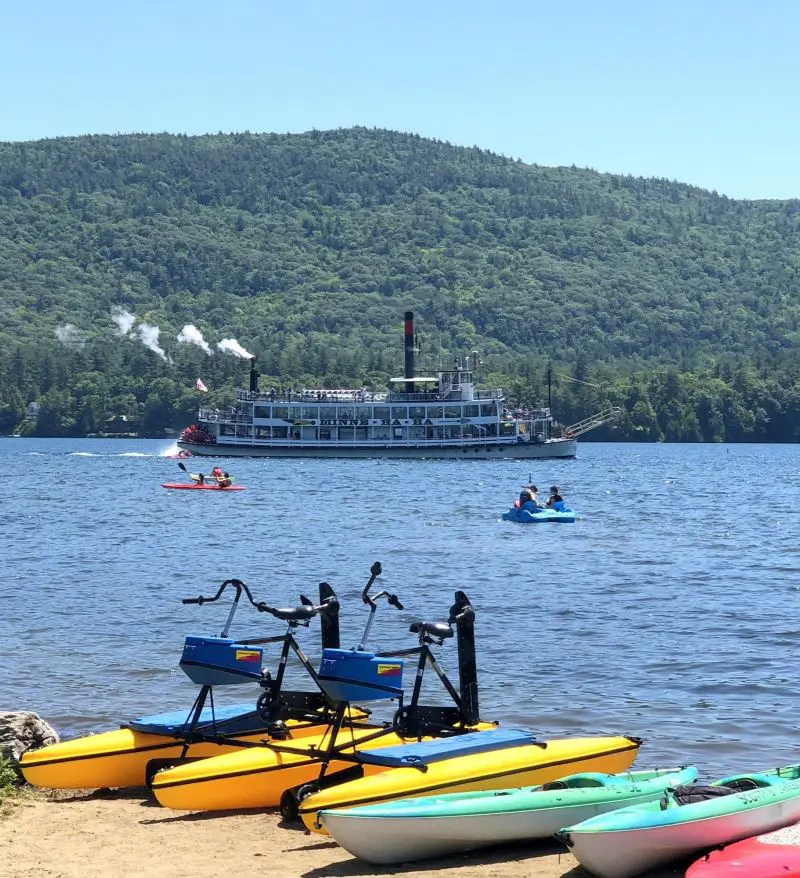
(527, 499)
(555, 500)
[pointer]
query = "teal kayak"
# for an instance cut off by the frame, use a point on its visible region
(688, 820)
(433, 826)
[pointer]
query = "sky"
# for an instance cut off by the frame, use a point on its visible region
(703, 92)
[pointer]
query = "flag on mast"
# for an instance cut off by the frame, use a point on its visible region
(200, 386)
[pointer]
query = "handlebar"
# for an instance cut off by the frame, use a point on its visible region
(234, 583)
(374, 572)
(293, 615)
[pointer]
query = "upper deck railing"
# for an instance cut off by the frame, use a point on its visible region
(362, 396)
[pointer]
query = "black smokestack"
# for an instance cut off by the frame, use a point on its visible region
(253, 376)
(409, 350)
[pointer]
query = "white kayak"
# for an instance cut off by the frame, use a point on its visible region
(405, 830)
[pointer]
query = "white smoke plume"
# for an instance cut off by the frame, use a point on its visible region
(192, 335)
(231, 346)
(70, 335)
(149, 336)
(124, 320)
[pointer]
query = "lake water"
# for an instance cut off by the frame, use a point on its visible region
(667, 611)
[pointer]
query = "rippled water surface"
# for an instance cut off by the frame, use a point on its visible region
(667, 611)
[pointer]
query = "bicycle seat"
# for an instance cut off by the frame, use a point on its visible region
(292, 614)
(442, 630)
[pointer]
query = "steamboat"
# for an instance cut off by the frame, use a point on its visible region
(439, 416)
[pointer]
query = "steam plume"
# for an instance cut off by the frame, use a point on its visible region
(192, 335)
(231, 346)
(69, 335)
(149, 336)
(124, 320)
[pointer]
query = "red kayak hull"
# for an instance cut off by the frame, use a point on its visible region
(752, 858)
(182, 486)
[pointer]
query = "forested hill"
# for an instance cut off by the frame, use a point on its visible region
(308, 248)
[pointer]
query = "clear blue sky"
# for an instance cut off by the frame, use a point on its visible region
(702, 91)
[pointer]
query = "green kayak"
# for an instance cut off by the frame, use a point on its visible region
(434, 826)
(687, 820)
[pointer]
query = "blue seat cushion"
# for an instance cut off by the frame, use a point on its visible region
(234, 717)
(424, 752)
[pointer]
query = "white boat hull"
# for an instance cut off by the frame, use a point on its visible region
(387, 840)
(625, 853)
(552, 449)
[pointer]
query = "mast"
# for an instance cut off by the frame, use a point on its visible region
(409, 352)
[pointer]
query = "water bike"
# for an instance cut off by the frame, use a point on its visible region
(130, 756)
(260, 777)
(423, 748)
(558, 514)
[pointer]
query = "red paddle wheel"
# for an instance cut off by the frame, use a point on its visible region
(197, 435)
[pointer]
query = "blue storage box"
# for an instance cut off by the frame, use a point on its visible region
(349, 675)
(218, 661)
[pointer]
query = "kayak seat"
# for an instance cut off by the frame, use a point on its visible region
(578, 781)
(442, 630)
(752, 782)
(690, 794)
(420, 754)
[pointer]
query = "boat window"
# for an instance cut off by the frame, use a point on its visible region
(324, 432)
(435, 411)
(227, 430)
(346, 433)
(363, 412)
(328, 413)
(488, 409)
(380, 432)
(452, 411)
(280, 411)
(399, 412)
(452, 432)
(381, 412)
(398, 432)
(263, 432)
(280, 432)
(361, 434)
(309, 412)
(508, 428)
(471, 411)
(262, 411)
(244, 431)
(345, 413)
(416, 411)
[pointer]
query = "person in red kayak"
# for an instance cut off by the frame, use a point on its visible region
(197, 478)
(223, 479)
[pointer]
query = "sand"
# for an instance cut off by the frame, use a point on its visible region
(125, 833)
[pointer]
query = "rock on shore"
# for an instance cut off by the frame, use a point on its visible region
(21, 731)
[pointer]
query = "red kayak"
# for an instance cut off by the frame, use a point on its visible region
(183, 486)
(772, 855)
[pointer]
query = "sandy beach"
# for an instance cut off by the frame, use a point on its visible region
(108, 835)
